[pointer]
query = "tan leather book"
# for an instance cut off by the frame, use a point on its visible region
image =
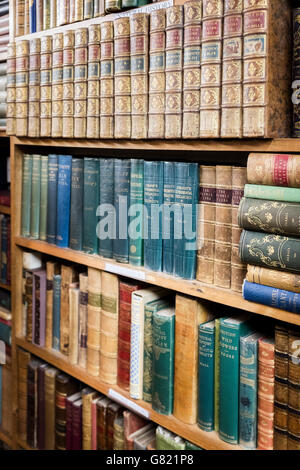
(102, 405)
(20, 14)
(11, 89)
(294, 393)
(119, 433)
(93, 321)
(189, 314)
(88, 396)
(281, 387)
(22, 76)
(68, 276)
(26, 18)
(74, 322)
(83, 307)
(80, 82)
(273, 278)
(23, 361)
(50, 376)
(113, 411)
(132, 423)
(238, 269)
(109, 327)
(52, 268)
(57, 81)
(93, 103)
(106, 81)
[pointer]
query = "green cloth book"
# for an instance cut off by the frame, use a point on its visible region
(191, 446)
(206, 379)
(217, 373)
(44, 197)
(91, 178)
(166, 440)
(136, 212)
(272, 193)
(163, 360)
(35, 197)
(26, 195)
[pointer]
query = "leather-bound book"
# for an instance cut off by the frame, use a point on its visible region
(41, 428)
(174, 52)
(281, 387)
(77, 425)
(32, 402)
(80, 82)
(113, 411)
(106, 81)
(238, 269)
(274, 170)
(206, 224)
(78, 11)
(20, 13)
(52, 268)
(23, 358)
(132, 423)
(109, 327)
(74, 322)
(102, 406)
(119, 440)
(57, 85)
(68, 276)
(223, 235)
(39, 308)
(68, 85)
(232, 88)
(39, 15)
(296, 70)
(83, 310)
(46, 14)
(11, 89)
(93, 103)
(294, 390)
(63, 12)
(189, 314)
(69, 418)
(139, 31)
(265, 395)
(93, 321)
(64, 387)
(22, 66)
(122, 85)
(26, 17)
(7, 405)
(122, 171)
(211, 63)
(50, 376)
(46, 86)
(273, 278)
(267, 68)
(94, 421)
(191, 69)
(125, 291)
(166, 440)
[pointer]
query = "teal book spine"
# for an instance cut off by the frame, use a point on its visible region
(76, 211)
(163, 361)
(26, 195)
(136, 213)
(63, 200)
(206, 376)
(217, 373)
(44, 197)
(168, 217)
(153, 200)
(56, 312)
(150, 309)
(35, 197)
(52, 197)
(272, 193)
(106, 223)
(91, 181)
(270, 251)
(231, 330)
(121, 201)
(185, 228)
(248, 391)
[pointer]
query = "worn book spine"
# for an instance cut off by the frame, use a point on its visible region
(189, 314)
(44, 197)
(74, 322)
(106, 200)
(217, 374)
(122, 171)
(157, 86)
(139, 33)
(192, 69)
(106, 81)
(238, 269)
(21, 81)
(206, 379)
(32, 371)
(88, 9)
(294, 391)
(46, 14)
(26, 195)
(91, 181)
(35, 197)
(232, 74)
(39, 15)
(68, 276)
(273, 170)
(41, 406)
(109, 328)
(113, 6)
(114, 410)
(20, 14)
(10, 87)
(222, 259)
(272, 193)
(53, 13)
(270, 251)
(80, 82)
(57, 86)
(102, 405)
(56, 311)
(136, 199)
(76, 207)
(77, 425)
(4, 249)
(68, 85)
(23, 360)
(281, 391)
(64, 387)
(119, 440)
(93, 103)
(46, 86)
(122, 85)
(273, 278)
(52, 269)
(206, 224)
(168, 217)
(52, 198)
(93, 322)
(296, 71)
(63, 200)
(63, 12)
(82, 335)
(270, 296)
(28, 304)
(211, 62)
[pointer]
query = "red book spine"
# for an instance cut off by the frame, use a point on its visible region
(266, 380)
(69, 425)
(77, 425)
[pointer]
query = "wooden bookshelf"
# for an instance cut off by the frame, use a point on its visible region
(5, 438)
(4, 209)
(23, 445)
(5, 286)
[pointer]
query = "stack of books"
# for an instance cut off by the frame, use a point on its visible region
(270, 243)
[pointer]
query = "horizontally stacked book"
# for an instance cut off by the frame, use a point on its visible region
(58, 412)
(270, 243)
(209, 68)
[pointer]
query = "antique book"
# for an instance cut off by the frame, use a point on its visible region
(142, 441)
(192, 69)
(87, 397)
(80, 82)
(20, 13)
(76, 207)
(70, 400)
(238, 270)
(102, 406)
(64, 387)
(23, 361)
(39, 15)
(77, 425)
(122, 81)
(296, 71)
(273, 278)
(93, 103)
(50, 376)
(267, 67)
(272, 193)
(68, 85)
(206, 224)
(119, 433)
(93, 321)
(206, 379)
(166, 440)
(68, 276)
(39, 307)
(28, 303)
(46, 86)
(52, 198)
(107, 199)
(112, 6)
(74, 322)
(168, 218)
(136, 199)
(122, 171)
(43, 197)
(281, 390)
(46, 14)
(270, 296)
(294, 393)
(109, 328)
(52, 268)
(83, 316)
(217, 374)
(41, 406)
(132, 423)
(125, 294)
(88, 9)
(6, 402)
(63, 200)
(223, 231)
(138, 433)
(33, 88)
(57, 86)
(106, 80)
(56, 312)
(189, 314)
(32, 371)
(35, 197)
(91, 181)
(26, 195)
(273, 170)
(63, 12)
(21, 81)
(8, 83)
(113, 411)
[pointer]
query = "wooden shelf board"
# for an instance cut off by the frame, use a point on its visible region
(4, 209)
(24, 445)
(192, 288)
(5, 286)
(5, 438)
(193, 433)
(3, 132)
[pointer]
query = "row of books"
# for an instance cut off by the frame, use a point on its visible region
(270, 244)
(196, 70)
(58, 412)
(5, 249)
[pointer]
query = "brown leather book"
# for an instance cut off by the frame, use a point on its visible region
(274, 170)
(11, 89)
(93, 103)
(22, 66)
(94, 321)
(46, 87)
(64, 386)
(294, 390)
(132, 423)
(113, 411)
(88, 396)
(20, 13)
(102, 405)
(68, 276)
(119, 440)
(189, 314)
(83, 303)
(57, 85)
(106, 81)
(23, 361)
(281, 387)
(7, 384)
(32, 404)
(50, 376)
(273, 278)
(26, 17)
(238, 269)
(74, 322)
(52, 268)
(68, 85)
(80, 82)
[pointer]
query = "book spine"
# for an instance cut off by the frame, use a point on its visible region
(78, 10)
(52, 195)
(76, 223)
(136, 207)
(32, 405)
(74, 322)
(28, 304)
(35, 197)
(32, 16)
(270, 251)
(63, 200)
(80, 82)
(9, 84)
(56, 311)
(44, 197)
(294, 392)
(122, 171)
(68, 276)
(106, 81)
(238, 270)
(106, 201)
(93, 321)
(281, 391)
(64, 386)
(51, 270)
(88, 9)
(46, 14)
(93, 103)
(217, 374)
(77, 426)
(168, 217)
(53, 13)
(272, 193)
(139, 32)
(26, 195)
(23, 360)
(39, 15)
(69, 424)
(273, 170)
(206, 379)
(91, 181)
(46, 86)
(222, 260)
(68, 85)
(112, 6)
(136, 357)
(83, 302)
(192, 69)
(186, 199)
(296, 70)
(153, 198)
(41, 407)
(20, 13)
(57, 86)
(4, 243)
(265, 415)
(34, 89)
(270, 296)
(63, 12)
